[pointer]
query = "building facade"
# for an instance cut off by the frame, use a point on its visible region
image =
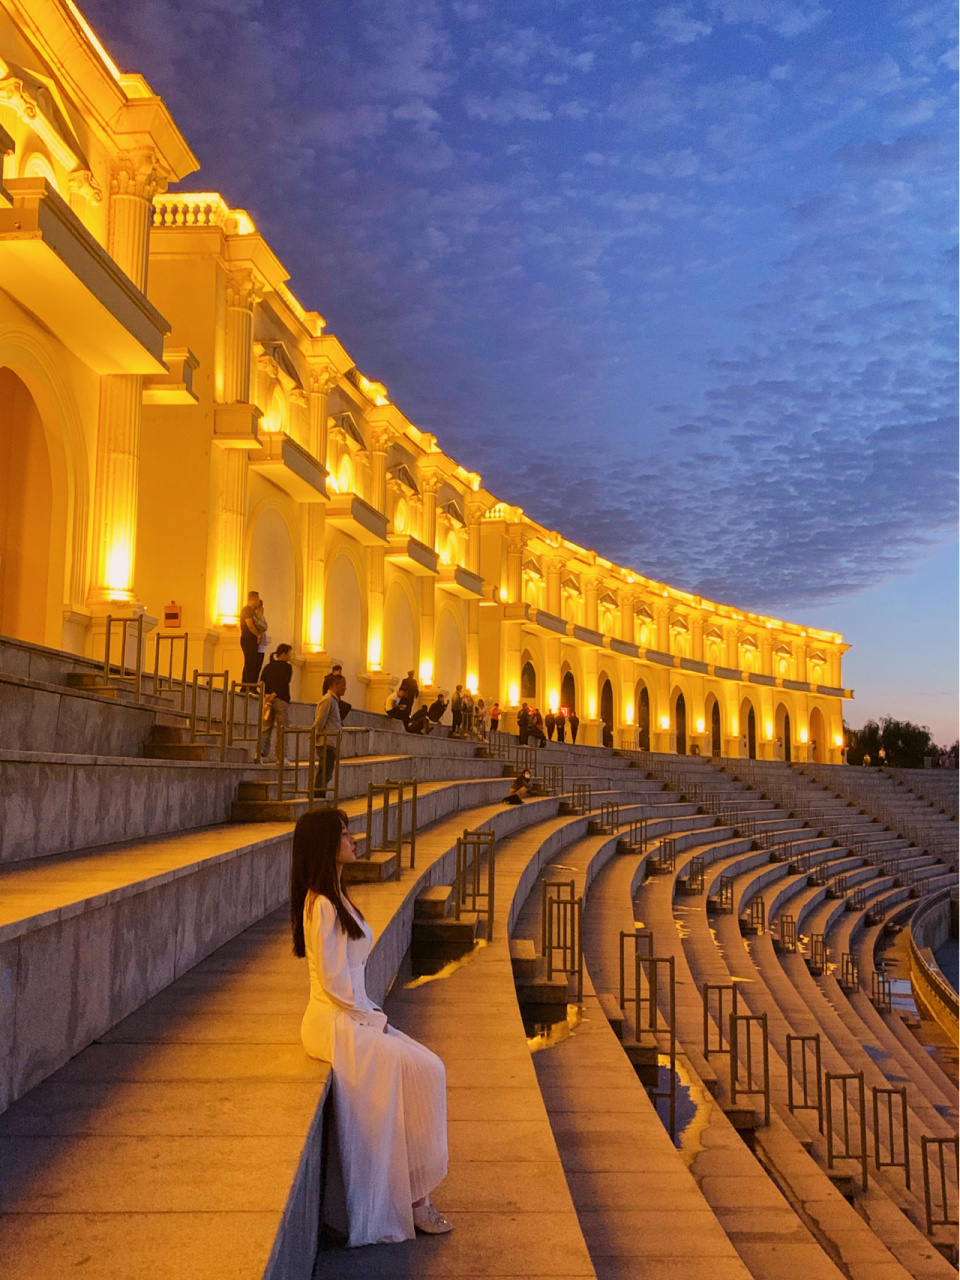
(176, 429)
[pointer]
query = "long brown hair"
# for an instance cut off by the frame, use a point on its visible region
(313, 872)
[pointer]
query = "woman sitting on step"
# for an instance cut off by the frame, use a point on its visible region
(389, 1092)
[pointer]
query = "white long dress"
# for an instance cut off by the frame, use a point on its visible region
(389, 1092)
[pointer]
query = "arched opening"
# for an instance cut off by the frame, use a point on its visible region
(528, 682)
(399, 639)
(606, 712)
(784, 749)
(272, 570)
(28, 588)
(751, 734)
(818, 737)
(643, 719)
(343, 620)
(448, 659)
(568, 693)
(715, 732)
(680, 722)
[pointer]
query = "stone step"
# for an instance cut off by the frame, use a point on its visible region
(433, 903)
(194, 751)
(370, 868)
(523, 959)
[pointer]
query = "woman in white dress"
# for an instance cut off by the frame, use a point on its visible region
(389, 1092)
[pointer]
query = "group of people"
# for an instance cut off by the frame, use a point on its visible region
(469, 716)
(538, 729)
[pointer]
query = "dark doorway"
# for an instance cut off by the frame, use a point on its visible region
(643, 719)
(751, 735)
(568, 693)
(528, 683)
(715, 730)
(787, 753)
(681, 719)
(606, 712)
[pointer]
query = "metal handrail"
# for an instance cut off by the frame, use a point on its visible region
(159, 677)
(207, 682)
(123, 624)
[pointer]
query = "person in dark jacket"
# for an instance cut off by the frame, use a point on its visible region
(550, 723)
(419, 722)
(574, 725)
(276, 677)
(518, 788)
(456, 711)
(437, 709)
(523, 725)
(561, 723)
(335, 671)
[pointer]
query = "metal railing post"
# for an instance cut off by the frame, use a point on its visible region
(844, 1079)
(889, 1094)
(806, 1104)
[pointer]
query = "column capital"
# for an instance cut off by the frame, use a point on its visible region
(323, 377)
(380, 439)
(244, 289)
(430, 480)
(137, 173)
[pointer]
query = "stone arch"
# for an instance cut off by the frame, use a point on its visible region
(643, 715)
(568, 689)
(819, 747)
(528, 678)
(399, 628)
(273, 567)
(782, 731)
(344, 617)
(606, 704)
(748, 729)
(28, 357)
(449, 650)
(714, 724)
(678, 708)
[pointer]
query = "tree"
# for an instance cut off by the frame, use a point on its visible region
(904, 744)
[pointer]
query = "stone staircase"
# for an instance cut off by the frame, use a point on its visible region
(160, 1118)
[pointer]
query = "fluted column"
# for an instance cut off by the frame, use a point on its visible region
(515, 541)
(314, 564)
(474, 513)
(242, 295)
(135, 179)
(696, 631)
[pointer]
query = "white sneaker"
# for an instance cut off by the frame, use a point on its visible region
(428, 1219)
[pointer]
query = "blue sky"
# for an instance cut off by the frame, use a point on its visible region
(677, 278)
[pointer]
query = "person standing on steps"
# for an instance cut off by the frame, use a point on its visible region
(456, 711)
(389, 1091)
(328, 723)
(574, 726)
(250, 639)
(277, 675)
(550, 723)
(335, 670)
(561, 723)
(495, 718)
(409, 692)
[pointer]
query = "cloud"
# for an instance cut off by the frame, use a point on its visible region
(677, 26)
(506, 108)
(908, 152)
(785, 17)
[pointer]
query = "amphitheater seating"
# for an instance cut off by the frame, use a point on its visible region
(159, 1117)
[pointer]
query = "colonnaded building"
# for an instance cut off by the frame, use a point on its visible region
(177, 427)
(692, 994)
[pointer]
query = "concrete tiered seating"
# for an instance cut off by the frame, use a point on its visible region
(185, 1135)
(715, 963)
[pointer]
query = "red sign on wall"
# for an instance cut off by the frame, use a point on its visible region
(172, 613)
